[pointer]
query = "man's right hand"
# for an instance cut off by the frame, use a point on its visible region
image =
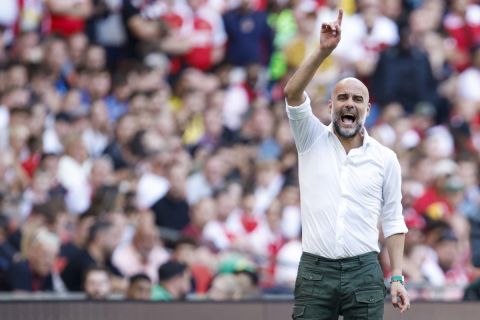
(330, 33)
(329, 39)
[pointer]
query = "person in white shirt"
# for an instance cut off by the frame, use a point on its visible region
(348, 183)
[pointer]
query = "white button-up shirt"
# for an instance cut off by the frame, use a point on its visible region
(343, 196)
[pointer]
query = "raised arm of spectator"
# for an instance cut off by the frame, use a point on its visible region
(72, 8)
(330, 35)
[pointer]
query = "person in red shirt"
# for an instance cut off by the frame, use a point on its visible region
(208, 36)
(67, 17)
(438, 200)
(462, 24)
(203, 26)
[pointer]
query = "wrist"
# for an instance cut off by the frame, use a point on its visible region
(397, 278)
(323, 52)
(396, 272)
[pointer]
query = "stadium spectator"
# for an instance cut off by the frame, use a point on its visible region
(442, 266)
(462, 24)
(250, 38)
(145, 29)
(100, 244)
(97, 284)
(152, 184)
(73, 172)
(68, 17)
(199, 260)
(207, 181)
(470, 78)
(224, 288)
(139, 288)
(201, 214)
(370, 33)
(434, 202)
(174, 283)
(37, 272)
(78, 241)
(145, 254)
(171, 211)
(216, 232)
(397, 64)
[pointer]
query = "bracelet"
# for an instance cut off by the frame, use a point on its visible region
(400, 279)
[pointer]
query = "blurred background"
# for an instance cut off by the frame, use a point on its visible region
(145, 153)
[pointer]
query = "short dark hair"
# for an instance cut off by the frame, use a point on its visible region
(139, 277)
(185, 240)
(95, 229)
(170, 270)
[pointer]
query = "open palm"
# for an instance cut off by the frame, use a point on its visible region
(330, 33)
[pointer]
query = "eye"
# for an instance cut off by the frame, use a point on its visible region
(358, 99)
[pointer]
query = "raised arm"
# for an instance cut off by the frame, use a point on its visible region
(330, 35)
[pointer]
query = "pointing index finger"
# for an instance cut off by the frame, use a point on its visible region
(340, 17)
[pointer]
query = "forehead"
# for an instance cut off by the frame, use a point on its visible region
(351, 87)
(141, 283)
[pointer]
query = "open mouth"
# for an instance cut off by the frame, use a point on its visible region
(348, 119)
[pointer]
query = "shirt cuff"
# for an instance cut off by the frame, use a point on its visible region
(394, 227)
(299, 112)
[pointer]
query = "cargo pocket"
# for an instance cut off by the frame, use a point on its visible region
(370, 302)
(298, 312)
(310, 284)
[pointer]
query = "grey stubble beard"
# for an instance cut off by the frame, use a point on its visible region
(349, 133)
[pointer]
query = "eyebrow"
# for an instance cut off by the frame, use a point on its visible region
(355, 96)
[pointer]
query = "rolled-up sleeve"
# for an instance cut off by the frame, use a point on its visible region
(300, 112)
(392, 216)
(305, 125)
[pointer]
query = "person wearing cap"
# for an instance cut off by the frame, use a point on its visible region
(174, 283)
(348, 183)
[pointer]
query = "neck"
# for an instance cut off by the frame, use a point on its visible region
(350, 143)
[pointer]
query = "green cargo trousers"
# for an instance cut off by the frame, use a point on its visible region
(352, 287)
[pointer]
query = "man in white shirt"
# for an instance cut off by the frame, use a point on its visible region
(348, 182)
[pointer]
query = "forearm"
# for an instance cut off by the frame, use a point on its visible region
(143, 29)
(299, 81)
(395, 245)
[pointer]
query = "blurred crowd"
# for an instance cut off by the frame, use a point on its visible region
(145, 150)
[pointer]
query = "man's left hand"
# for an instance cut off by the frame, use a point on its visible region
(400, 299)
